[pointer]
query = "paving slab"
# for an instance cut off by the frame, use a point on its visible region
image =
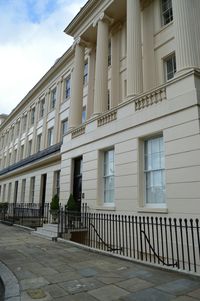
(44, 270)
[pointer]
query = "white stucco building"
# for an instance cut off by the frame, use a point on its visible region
(116, 120)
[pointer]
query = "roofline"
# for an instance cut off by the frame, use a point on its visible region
(55, 66)
(69, 29)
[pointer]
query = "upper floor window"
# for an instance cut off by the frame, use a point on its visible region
(17, 128)
(67, 87)
(32, 116)
(53, 99)
(42, 103)
(85, 74)
(167, 12)
(64, 127)
(109, 53)
(50, 137)
(15, 156)
(29, 147)
(39, 138)
(22, 152)
(170, 66)
(109, 176)
(154, 169)
(24, 122)
(84, 114)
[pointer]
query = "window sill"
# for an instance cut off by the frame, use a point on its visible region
(152, 210)
(106, 208)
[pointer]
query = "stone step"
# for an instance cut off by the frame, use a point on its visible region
(52, 227)
(48, 230)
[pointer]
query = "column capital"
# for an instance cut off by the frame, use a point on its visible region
(103, 17)
(81, 42)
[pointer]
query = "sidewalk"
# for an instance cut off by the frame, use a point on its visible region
(58, 271)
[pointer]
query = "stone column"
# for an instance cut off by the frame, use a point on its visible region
(76, 103)
(57, 125)
(101, 72)
(90, 99)
(34, 139)
(187, 32)
(115, 66)
(134, 48)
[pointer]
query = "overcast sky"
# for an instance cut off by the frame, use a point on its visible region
(31, 39)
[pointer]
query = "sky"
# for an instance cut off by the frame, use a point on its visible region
(31, 39)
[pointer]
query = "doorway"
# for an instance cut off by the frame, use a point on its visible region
(43, 192)
(77, 183)
(15, 192)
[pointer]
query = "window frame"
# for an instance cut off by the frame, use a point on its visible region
(23, 190)
(63, 132)
(169, 10)
(32, 190)
(107, 177)
(85, 73)
(50, 137)
(68, 87)
(166, 60)
(53, 98)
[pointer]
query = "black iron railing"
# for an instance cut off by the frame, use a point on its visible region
(163, 241)
(26, 214)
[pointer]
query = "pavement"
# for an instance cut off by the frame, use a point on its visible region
(35, 268)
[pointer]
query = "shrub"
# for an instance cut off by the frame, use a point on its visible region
(54, 203)
(71, 204)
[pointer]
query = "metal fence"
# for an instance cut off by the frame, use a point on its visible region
(26, 214)
(162, 241)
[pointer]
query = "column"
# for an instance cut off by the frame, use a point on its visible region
(56, 136)
(76, 103)
(134, 48)
(187, 32)
(90, 99)
(34, 139)
(101, 72)
(115, 66)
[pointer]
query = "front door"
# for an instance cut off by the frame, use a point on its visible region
(77, 186)
(43, 191)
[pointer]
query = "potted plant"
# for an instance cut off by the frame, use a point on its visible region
(54, 208)
(71, 211)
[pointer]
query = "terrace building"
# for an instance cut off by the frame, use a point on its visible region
(116, 120)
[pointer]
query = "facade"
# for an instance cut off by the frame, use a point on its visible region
(116, 120)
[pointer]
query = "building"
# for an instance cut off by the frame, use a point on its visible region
(116, 120)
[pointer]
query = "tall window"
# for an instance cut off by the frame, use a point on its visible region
(67, 87)
(29, 147)
(24, 122)
(23, 190)
(154, 171)
(53, 98)
(109, 53)
(85, 75)
(32, 116)
(32, 190)
(39, 138)
(15, 156)
(4, 193)
(9, 191)
(22, 152)
(83, 114)
(167, 12)
(109, 176)
(42, 103)
(57, 182)
(17, 128)
(64, 128)
(170, 66)
(50, 137)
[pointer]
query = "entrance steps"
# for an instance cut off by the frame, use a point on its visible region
(48, 230)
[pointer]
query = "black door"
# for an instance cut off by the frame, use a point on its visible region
(43, 192)
(77, 187)
(15, 192)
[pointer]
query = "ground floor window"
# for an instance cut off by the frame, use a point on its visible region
(32, 189)
(57, 183)
(109, 176)
(154, 170)
(23, 190)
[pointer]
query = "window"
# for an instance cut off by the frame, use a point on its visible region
(24, 122)
(67, 87)
(109, 53)
(42, 103)
(29, 147)
(85, 75)
(109, 176)
(64, 127)
(57, 183)
(23, 190)
(39, 138)
(50, 137)
(22, 152)
(15, 156)
(170, 66)
(108, 104)
(167, 13)
(17, 128)
(9, 191)
(83, 114)
(53, 99)
(12, 134)
(32, 189)
(4, 193)
(32, 116)
(9, 159)
(154, 169)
